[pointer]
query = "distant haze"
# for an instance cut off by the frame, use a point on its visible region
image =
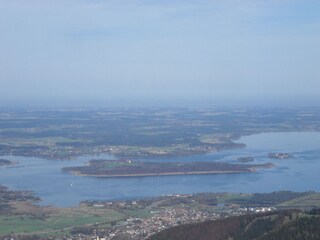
(114, 50)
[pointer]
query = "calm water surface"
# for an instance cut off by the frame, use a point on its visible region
(54, 187)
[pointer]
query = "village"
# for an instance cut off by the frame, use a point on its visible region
(135, 228)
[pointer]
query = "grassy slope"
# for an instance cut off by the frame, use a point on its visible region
(312, 200)
(59, 220)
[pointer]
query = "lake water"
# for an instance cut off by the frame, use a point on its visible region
(54, 187)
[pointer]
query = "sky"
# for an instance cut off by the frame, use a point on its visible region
(159, 50)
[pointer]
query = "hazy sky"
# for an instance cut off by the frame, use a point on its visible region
(72, 50)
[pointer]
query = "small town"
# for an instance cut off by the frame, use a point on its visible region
(143, 228)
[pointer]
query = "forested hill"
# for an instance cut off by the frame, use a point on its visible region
(289, 224)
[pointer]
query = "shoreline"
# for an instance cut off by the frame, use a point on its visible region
(77, 173)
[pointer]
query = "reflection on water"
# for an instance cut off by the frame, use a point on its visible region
(297, 174)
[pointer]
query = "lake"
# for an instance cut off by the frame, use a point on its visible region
(300, 173)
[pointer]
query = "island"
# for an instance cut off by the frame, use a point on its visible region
(4, 162)
(130, 168)
(245, 159)
(280, 155)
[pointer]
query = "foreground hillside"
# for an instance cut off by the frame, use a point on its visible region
(287, 224)
(21, 219)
